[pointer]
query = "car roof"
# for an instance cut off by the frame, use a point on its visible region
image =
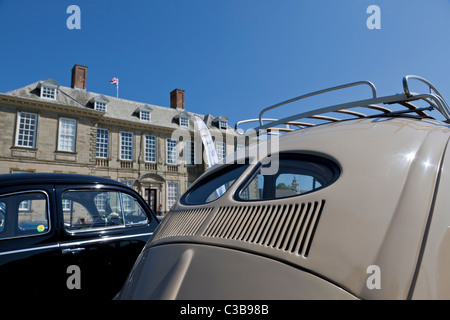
(374, 214)
(53, 178)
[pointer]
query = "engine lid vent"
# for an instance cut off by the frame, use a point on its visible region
(284, 227)
(182, 223)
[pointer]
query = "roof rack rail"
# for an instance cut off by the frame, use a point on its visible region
(239, 130)
(434, 100)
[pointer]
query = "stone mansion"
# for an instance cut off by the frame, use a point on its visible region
(46, 127)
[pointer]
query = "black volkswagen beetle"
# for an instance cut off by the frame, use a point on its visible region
(68, 235)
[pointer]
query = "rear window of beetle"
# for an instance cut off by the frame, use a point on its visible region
(296, 175)
(214, 185)
(285, 175)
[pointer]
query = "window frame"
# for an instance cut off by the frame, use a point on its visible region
(18, 128)
(190, 153)
(104, 146)
(223, 146)
(101, 106)
(48, 92)
(149, 150)
(145, 115)
(170, 150)
(47, 213)
(172, 198)
(128, 182)
(100, 191)
(184, 122)
(214, 181)
(74, 142)
(223, 125)
(326, 162)
(121, 145)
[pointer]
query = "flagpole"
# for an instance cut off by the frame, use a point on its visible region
(115, 81)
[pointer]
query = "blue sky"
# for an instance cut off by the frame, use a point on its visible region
(232, 57)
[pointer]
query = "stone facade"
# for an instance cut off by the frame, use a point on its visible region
(60, 134)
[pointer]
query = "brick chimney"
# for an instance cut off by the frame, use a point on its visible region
(177, 99)
(79, 75)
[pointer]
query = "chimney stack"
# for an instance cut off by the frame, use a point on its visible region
(79, 75)
(177, 99)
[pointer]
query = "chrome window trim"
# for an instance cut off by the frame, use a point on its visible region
(94, 229)
(48, 213)
(29, 249)
(75, 243)
(102, 239)
(126, 226)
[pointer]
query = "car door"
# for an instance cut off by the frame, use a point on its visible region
(104, 230)
(28, 242)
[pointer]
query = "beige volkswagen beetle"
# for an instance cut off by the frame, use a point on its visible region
(348, 207)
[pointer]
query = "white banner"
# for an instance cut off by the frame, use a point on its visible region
(210, 150)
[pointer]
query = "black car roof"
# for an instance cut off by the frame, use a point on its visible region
(55, 178)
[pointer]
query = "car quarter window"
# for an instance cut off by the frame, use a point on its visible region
(24, 214)
(87, 209)
(214, 185)
(296, 175)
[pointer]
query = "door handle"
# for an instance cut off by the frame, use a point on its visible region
(72, 250)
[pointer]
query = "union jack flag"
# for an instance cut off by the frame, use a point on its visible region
(114, 81)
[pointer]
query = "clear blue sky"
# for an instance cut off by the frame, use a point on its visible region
(232, 57)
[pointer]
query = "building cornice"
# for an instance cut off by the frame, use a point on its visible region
(50, 105)
(133, 124)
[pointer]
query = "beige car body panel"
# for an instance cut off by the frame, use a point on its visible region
(389, 208)
(376, 212)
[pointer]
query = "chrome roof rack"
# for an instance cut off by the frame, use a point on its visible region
(434, 101)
